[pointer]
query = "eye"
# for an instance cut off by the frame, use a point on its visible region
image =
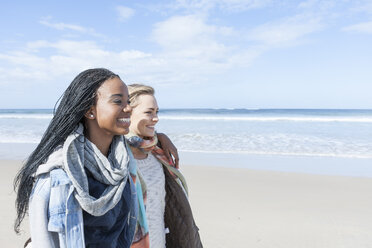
(117, 101)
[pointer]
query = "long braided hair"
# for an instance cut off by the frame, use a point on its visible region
(75, 102)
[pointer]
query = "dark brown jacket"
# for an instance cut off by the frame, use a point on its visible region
(183, 232)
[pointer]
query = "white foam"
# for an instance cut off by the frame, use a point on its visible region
(26, 116)
(12, 141)
(283, 153)
(269, 119)
(357, 119)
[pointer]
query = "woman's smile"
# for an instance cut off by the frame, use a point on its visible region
(124, 122)
(145, 116)
(151, 127)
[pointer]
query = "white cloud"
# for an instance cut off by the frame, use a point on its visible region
(364, 27)
(190, 36)
(307, 3)
(125, 13)
(318, 4)
(190, 50)
(287, 31)
(190, 43)
(179, 31)
(364, 6)
(230, 5)
(65, 26)
(239, 5)
(67, 58)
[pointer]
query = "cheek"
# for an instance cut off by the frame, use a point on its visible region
(138, 126)
(105, 115)
(133, 122)
(141, 124)
(133, 119)
(136, 117)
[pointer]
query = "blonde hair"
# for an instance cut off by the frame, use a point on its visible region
(136, 90)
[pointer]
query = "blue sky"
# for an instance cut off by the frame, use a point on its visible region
(200, 53)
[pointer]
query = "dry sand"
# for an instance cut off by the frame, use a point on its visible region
(8, 238)
(248, 208)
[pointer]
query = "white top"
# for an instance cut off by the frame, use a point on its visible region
(153, 175)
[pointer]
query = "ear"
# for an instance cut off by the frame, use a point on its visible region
(91, 113)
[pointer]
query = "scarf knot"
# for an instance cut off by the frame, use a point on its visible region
(147, 146)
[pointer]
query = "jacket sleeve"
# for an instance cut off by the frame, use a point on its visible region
(38, 214)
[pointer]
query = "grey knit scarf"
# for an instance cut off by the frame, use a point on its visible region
(113, 170)
(79, 153)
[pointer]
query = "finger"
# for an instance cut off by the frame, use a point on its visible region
(175, 158)
(172, 160)
(176, 162)
(169, 157)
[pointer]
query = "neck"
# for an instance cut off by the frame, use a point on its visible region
(138, 153)
(98, 137)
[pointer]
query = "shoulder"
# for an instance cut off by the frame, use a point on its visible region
(59, 177)
(46, 181)
(41, 186)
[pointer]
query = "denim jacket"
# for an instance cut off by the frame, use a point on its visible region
(56, 218)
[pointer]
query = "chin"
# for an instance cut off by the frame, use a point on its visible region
(147, 134)
(123, 132)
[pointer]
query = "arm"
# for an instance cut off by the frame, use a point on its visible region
(38, 214)
(169, 148)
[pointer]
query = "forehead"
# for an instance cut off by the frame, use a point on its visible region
(112, 86)
(147, 101)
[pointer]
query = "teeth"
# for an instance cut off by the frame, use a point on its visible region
(127, 120)
(151, 126)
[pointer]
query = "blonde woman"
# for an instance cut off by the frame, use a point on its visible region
(168, 220)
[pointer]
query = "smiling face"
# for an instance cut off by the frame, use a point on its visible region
(111, 114)
(144, 116)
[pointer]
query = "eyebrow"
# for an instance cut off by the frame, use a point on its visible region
(121, 95)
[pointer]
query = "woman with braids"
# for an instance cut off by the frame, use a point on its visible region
(168, 220)
(79, 184)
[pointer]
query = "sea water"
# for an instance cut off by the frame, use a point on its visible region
(235, 132)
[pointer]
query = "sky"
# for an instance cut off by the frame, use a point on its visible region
(195, 53)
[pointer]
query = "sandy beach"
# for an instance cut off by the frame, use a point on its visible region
(247, 208)
(251, 208)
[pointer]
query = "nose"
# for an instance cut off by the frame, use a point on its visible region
(127, 109)
(155, 118)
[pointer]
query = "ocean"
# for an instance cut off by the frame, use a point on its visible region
(235, 132)
(309, 132)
